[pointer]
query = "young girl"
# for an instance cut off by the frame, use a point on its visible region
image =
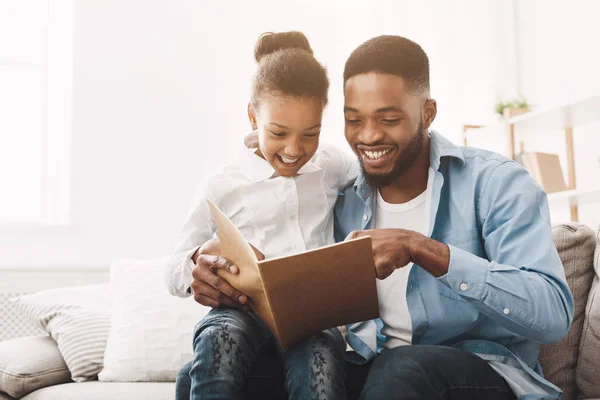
(280, 195)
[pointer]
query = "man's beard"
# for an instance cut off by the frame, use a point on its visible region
(404, 161)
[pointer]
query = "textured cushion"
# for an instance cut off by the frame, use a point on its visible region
(588, 369)
(151, 331)
(30, 363)
(575, 244)
(106, 391)
(78, 319)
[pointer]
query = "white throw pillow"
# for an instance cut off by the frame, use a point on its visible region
(150, 337)
(78, 319)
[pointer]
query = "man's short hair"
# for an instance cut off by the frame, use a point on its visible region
(394, 55)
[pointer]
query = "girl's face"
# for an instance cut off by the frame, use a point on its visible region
(288, 131)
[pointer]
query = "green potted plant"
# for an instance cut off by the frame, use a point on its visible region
(512, 108)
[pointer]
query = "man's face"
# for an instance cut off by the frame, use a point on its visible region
(385, 125)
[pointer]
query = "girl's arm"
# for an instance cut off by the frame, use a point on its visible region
(197, 229)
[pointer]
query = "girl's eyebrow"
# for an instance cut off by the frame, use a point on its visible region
(285, 127)
(279, 125)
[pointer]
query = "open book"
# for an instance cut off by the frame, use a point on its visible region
(298, 295)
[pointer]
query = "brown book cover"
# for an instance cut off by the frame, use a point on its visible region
(301, 294)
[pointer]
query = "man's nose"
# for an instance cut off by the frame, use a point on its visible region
(370, 133)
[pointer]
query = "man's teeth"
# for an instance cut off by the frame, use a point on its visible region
(374, 155)
(288, 160)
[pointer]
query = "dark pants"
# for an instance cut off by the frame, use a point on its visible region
(407, 372)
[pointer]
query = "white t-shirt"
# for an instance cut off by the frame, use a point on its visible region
(391, 292)
(277, 215)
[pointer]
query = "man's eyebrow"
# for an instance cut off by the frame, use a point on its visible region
(379, 110)
(388, 109)
(285, 127)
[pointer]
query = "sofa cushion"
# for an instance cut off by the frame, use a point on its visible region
(150, 336)
(30, 363)
(78, 319)
(575, 244)
(106, 390)
(588, 368)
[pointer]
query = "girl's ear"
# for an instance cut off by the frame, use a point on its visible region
(252, 117)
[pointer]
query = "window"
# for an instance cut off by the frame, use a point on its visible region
(36, 46)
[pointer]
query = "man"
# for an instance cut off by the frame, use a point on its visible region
(465, 233)
(470, 282)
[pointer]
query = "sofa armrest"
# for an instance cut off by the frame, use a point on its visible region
(575, 244)
(4, 396)
(30, 363)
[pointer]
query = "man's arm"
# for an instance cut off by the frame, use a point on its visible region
(522, 286)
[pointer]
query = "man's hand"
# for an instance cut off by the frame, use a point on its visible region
(396, 248)
(210, 289)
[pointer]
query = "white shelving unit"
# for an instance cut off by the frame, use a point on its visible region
(565, 118)
(575, 197)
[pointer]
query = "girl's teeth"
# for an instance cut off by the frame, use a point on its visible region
(288, 160)
(376, 154)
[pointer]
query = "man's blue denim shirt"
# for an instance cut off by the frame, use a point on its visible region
(505, 292)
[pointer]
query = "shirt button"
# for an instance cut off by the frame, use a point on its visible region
(293, 217)
(506, 311)
(365, 217)
(464, 286)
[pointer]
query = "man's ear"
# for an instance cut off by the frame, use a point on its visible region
(429, 112)
(252, 117)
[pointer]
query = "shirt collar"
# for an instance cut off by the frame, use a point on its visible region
(439, 147)
(257, 169)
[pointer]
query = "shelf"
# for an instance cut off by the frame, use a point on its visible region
(574, 197)
(488, 130)
(557, 118)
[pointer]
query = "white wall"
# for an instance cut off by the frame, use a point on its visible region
(560, 63)
(160, 93)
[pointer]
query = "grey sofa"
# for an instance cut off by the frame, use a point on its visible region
(573, 363)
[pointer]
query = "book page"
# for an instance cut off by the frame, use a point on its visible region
(236, 248)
